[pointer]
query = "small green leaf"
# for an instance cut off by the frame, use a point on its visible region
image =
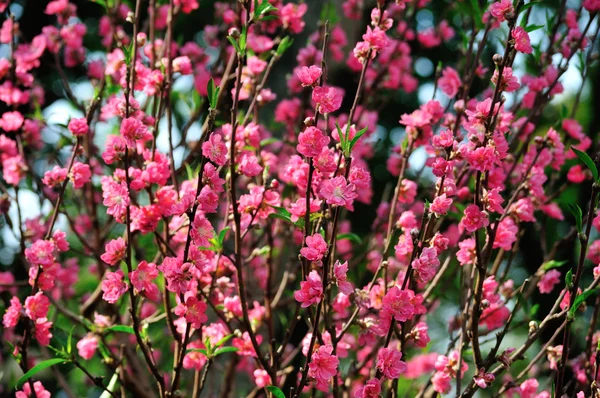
(283, 46)
(584, 157)
(533, 28)
(235, 44)
(578, 214)
(222, 235)
(70, 341)
(276, 391)
(548, 265)
(329, 13)
(269, 141)
(111, 386)
(534, 310)
(121, 328)
(529, 5)
(225, 350)
(243, 39)
(580, 300)
(38, 368)
(223, 340)
(569, 279)
(262, 8)
(343, 137)
(213, 93)
(200, 350)
(355, 139)
(350, 236)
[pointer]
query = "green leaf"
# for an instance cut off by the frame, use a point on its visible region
(223, 340)
(200, 350)
(222, 234)
(235, 44)
(70, 341)
(243, 39)
(533, 28)
(577, 213)
(262, 8)
(534, 310)
(342, 136)
(548, 265)
(569, 279)
(529, 5)
(121, 328)
(213, 93)
(477, 13)
(276, 391)
(269, 141)
(225, 350)
(283, 46)
(111, 386)
(580, 300)
(355, 139)
(38, 368)
(351, 236)
(585, 159)
(329, 13)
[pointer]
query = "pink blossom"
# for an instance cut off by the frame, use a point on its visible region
(202, 230)
(501, 9)
(506, 234)
(339, 273)
(371, 389)
(113, 286)
(193, 310)
(78, 126)
(521, 38)
(133, 130)
(114, 251)
(13, 313)
(309, 75)
(298, 209)
(215, 149)
(291, 16)
(141, 279)
(483, 379)
(397, 304)
(87, 346)
(449, 82)
(311, 290)
(376, 38)
(389, 363)
(37, 306)
(547, 282)
(80, 174)
(474, 219)
(426, 265)
(315, 249)
(336, 191)
(262, 378)
(328, 99)
(323, 366)
(311, 142)
(38, 388)
(42, 331)
(441, 204)
(11, 121)
(509, 82)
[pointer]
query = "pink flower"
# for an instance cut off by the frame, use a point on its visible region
(376, 38)
(482, 158)
(311, 142)
(372, 389)
(420, 335)
(262, 378)
(215, 149)
(397, 304)
(328, 99)
(509, 82)
(40, 391)
(389, 363)
(13, 313)
(194, 359)
(42, 331)
(474, 219)
(336, 191)
(311, 290)
(114, 251)
(133, 131)
(78, 127)
(441, 204)
(483, 379)
(291, 16)
(80, 174)
(323, 366)
(548, 281)
(116, 198)
(426, 265)
(501, 9)
(142, 277)
(37, 306)
(506, 234)
(113, 286)
(449, 82)
(55, 177)
(202, 230)
(309, 75)
(523, 209)
(87, 346)
(298, 209)
(187, 6)
(193, 310)
(339, 274)
(244, 345)
(11, 121)
(315, 249)
(521, 38)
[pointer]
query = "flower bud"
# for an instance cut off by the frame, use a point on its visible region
(497, 58)
(309, 121)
